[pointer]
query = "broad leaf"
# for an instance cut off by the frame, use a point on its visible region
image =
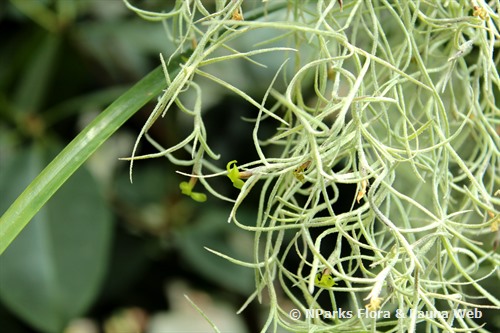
(53, 270)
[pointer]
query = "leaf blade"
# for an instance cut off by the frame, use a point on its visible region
(78, 151)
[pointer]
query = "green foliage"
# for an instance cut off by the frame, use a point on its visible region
(54, 269)
(72, 157)
(397, 99)
(220, 236)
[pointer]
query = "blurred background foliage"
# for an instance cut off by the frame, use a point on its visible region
(105, 255)
(119, 255)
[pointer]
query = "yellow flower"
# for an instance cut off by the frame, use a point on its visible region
(298, 173)
(234, 174)
(237, 15)
(362, 191)
(374, 304)
(494, 221)
(324, 280)
(480, 12)
(187, 189)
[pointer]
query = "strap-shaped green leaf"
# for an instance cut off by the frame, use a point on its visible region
(78, 151)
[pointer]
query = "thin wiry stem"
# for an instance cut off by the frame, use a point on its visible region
(403, 105)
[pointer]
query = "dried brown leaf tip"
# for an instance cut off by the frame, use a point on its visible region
(298, 173)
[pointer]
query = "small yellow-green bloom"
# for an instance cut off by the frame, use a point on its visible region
(298, 173)
(324, 280)
(234, 174)
(187, 189)
(480, 12)
(200, 197)
(374, 304)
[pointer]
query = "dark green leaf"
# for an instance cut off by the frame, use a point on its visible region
(52, 272)
(214, 232)
(72, 157)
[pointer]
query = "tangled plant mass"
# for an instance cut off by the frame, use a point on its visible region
(403, 104)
